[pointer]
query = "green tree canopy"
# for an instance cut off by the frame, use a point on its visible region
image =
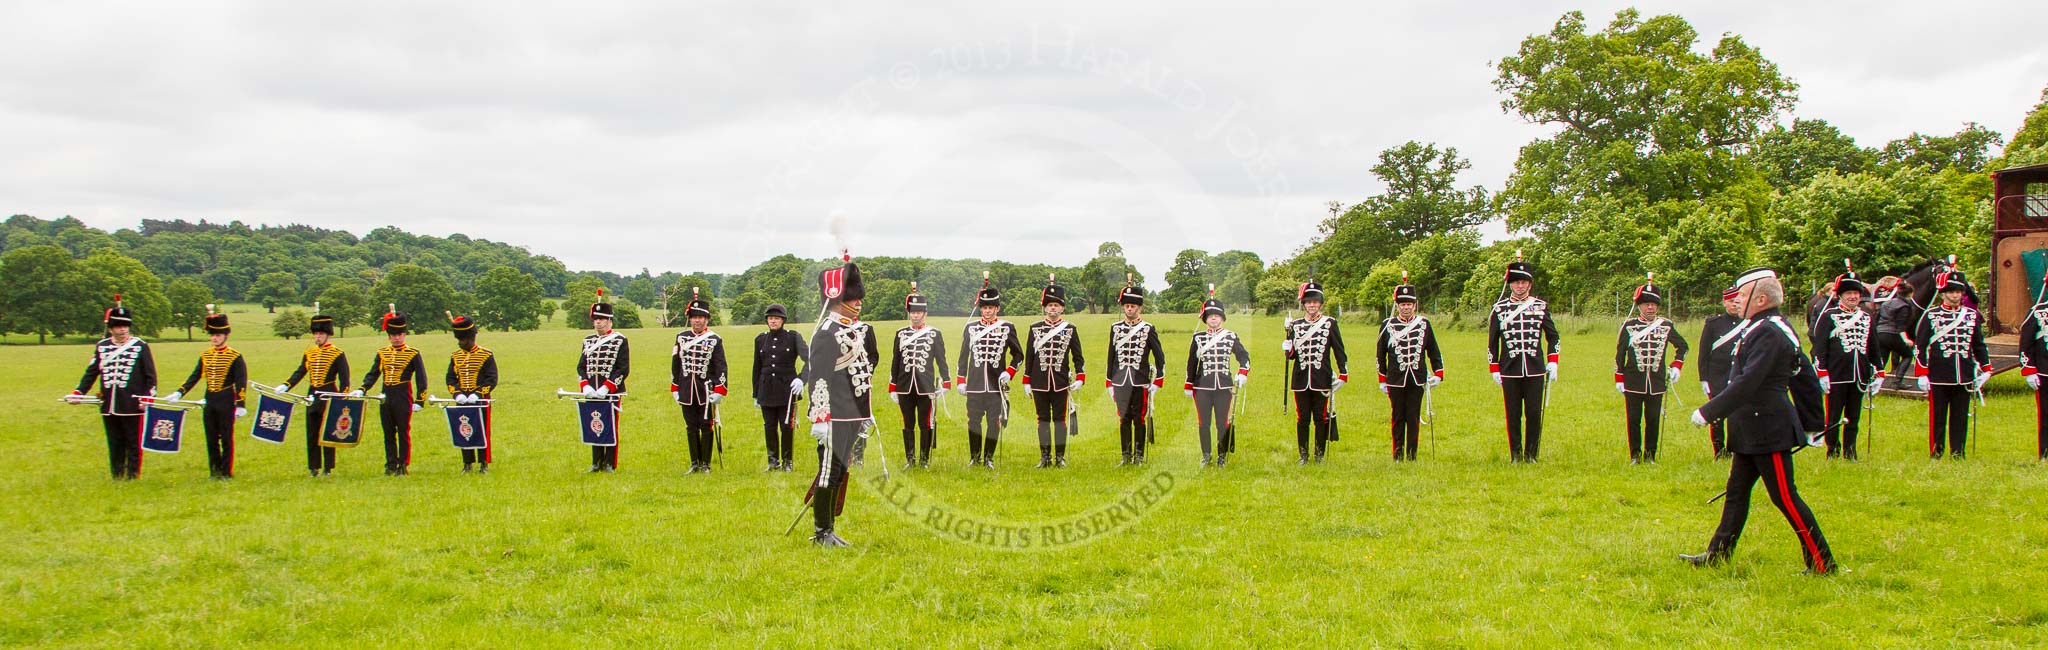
(421, 294)
(508, 300)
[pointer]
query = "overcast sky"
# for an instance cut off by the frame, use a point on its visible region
(708, 138)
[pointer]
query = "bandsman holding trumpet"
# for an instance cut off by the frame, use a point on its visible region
(472, 374)
(404, 376)
(125, 370)
(227, 385)
(325, 370)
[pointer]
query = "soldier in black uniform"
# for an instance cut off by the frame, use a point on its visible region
(914, 382)
(404, 376)
(1218, 366)
(1952, 364)
(2033, 355)
(1521, 352)
(1648, 356)
(1406, 342)
(602, 370)
(1130, 379)
(125, 370)
(1848, 364)
(777, 385)
(1052, 350)
(227, 385)
(1315, 346)
(989, 352)
(696, 372)
(1718, 338)
(325, 369)
(1764, 426)
(840, 373)
(472, 375)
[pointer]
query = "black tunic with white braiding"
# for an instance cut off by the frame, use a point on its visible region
(606, 360)
(1213, 358)
(1951, 346)
(1642, 352)
(1052, 356)
(2034, 340)
(1130, 344)
(990, 349)
(124, 371)
(1841, 346)
(919, 365)
(1407, 352)
(841, 371)
(1520, 338)
(1317, 351)
(696, 367)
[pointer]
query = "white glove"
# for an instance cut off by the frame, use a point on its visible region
(415, 408)
(1111, 392)
(1706, 389)
(1670, 375)
(1336, 383)
(1982, 378)
(356, 393)
(796, 386)
(1496, 379)
(1076, 386)
(589, 392)
(1551, 369)
(174, 396)
(461, 399)
(1875, 385)
(284, 388)
(1433, 381)
(757, 403)
(820, 430)
(1825, 385)
(2034, 382)
(1286, 346)
(960, 388)
(241, 412)
(1189, 392)
(1697, 419)
(892, 398)
(602, 391)
(1150, 389)
(1238, 379)
(1921, 382)
(1620, 387)
(1009, 375)
(1384, 390)
(714, 398)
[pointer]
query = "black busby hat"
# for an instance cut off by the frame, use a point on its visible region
(600, 309)
(392, 322)
(1212, 305)
(463, 326)
(320, 323)
(915, 301)
(1404, 292)
(216, 323)
(1520, 270)
(843, 283)
(697, 306)
(1650, 292)
(1132, 294)
(1952, 280)
(1847, 281)
(988, 296)
(1053, 293)
(1308, 291)
(118, 315)
(775, 310)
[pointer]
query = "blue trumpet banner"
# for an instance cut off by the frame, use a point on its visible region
(599, 420)
(344, 426)
(469, 427)
(163, 428)
(273, 418)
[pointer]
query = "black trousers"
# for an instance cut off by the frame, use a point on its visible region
(777, 431)
(1524, 399)
(1052, 420)
(469, 456)
(1212, 410)
(220, 438)
(1406, 419)
(318, 458)
(1775, 470)
(2041, 423)
(1311, 413)
(124, 444)
(395, 413)
(1132, 406)
(1948, 419)
(1645, 422)
(985, 416)
(1845, 400)
(917, 418)
(827, 500)
(697, 433)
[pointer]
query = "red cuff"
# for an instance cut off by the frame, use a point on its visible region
(720, 389)
(962, 380)
(1383, 378)
(1986, 369)
(1552, 358)
(1160, 382)
(1439, 373)
(1617, 378)
(1822, 372)
(1347, 377)
(2025, 371)
(674, 388)
(892, 387)
(1106, 384)
(1081, 376)
(1919, 370)
(1027, 380)
(582, 385)
(1678, 364)
(1493, 368)
(611, 387)
(1244, 371)
(1187, 385)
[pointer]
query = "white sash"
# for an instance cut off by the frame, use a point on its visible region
(1961, 320)
(1214, 340)
(1397, 332)
(1050, 332)
(599, 342)
(1733, 334)
(1646, 331)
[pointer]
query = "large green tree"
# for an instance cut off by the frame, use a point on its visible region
(348, 304)
(43, 291)
(274, 289)
(1186, 283)
(508, 300)
(188, 299)
(1102, 279)
(1881, 223)
(1967, 151)
(420, 293)
(110, 273)
(1788, 157)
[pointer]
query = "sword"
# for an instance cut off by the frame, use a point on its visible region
(1429, 406)
(718, 435)
(1073, 415)
(800, 510)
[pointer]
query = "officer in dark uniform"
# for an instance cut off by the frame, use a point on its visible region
(1717, 339)
(1951, 365)
(777, 385)
(404, 376)
(840, 373)
(125, 370)
(989, 353)
(2033, 356)
(1764, 427)
(696, 370)
(472, 375)
(1847, 359)
(602, 370)
(1648, 356)
(227, 385)
(1053, 369)
(1521, 352)
(917, 376)
(1130, 379)
(1410, 363)
(1315, 348)
(1218, 367)
(325, 369)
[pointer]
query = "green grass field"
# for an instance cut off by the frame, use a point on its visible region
(1461, 549)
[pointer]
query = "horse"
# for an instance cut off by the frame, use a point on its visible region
(1920, 279)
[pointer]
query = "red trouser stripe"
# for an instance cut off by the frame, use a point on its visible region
(1932, 434)
(139, 426)
(1791, 512)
